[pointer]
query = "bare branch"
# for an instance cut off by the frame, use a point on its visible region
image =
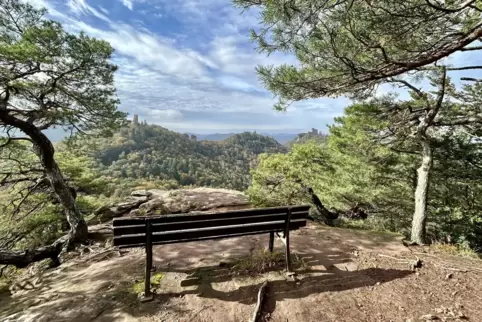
(471, 48)
(464, 68)
(407, 84)
(464, 5)
(470, 79)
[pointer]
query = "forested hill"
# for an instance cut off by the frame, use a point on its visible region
(142, 151)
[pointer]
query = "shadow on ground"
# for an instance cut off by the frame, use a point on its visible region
(309, 283)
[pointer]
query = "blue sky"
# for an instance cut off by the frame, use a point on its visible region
(189, 65)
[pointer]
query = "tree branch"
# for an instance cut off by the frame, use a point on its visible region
(464, 5)
(461, 121)
(10, 140)
(410, 86)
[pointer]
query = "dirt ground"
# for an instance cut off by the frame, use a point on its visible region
(342, 275)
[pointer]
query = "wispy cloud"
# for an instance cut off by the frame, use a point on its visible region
(80, 7)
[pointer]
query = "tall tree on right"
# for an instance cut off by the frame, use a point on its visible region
(423, 123)
(351, 47)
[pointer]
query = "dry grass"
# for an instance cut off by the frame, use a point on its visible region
(454, 249)
(262, 261)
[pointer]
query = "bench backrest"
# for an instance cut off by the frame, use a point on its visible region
(132, 232)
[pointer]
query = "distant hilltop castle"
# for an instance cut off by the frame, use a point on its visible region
(135, 121)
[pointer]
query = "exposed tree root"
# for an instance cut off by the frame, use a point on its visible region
(259, 304)
(23, 258)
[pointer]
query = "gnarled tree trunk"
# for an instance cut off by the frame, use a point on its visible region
(421, 194)
(44, 149)
(327, 216)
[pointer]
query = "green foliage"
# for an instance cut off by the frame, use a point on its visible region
(349, 47)
(138, 287)
(277, 179)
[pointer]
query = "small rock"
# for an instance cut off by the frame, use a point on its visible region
(141, 193)
(409, 320)
(462, 316)
(439, 310)
(416, 264)
(429, 317)
(377, 283)
(449, 276)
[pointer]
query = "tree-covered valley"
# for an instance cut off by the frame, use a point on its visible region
(150, 152)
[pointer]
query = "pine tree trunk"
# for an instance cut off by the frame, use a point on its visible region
(421, 195)
(45, 151)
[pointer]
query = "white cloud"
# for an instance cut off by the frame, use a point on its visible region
(128, 4)
(164, 115)
(236, 56)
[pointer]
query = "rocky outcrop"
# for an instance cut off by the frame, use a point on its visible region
(107, 213)
(191, 200)
(161, 202)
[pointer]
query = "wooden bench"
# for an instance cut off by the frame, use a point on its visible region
(168, 229)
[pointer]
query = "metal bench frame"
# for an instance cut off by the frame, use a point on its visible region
(168, 229)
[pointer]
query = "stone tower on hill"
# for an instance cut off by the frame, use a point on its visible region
(135, 120)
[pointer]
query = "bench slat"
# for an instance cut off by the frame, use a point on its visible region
(220, 221)
(207, 233)
(200, 239)
(201, 217)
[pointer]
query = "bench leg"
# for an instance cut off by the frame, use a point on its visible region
(287, 252)
(287, 242)
(147, 286)
(271, 241)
